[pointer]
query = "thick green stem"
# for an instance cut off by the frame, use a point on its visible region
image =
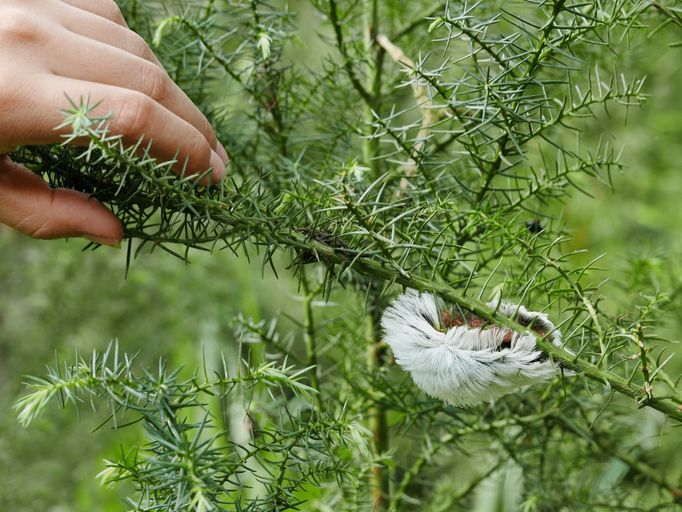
(378, 422)
(617, 383)
(370, 146)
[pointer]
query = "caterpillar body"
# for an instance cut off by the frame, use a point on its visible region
(458, 358)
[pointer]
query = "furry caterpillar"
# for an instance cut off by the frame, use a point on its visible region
(460, 360)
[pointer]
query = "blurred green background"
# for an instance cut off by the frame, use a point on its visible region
(57, 299)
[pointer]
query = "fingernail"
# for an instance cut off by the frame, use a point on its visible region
(222, 153)
(218, 167)
(109, 242)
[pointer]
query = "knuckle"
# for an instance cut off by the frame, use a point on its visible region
(206, 129)
(111, 11)
(136, 45)
(134, 112)
(197, 153)
(37, 226)
(156, 83)
(42, 231)
(18, 25)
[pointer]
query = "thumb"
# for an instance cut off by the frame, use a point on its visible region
(29, 205)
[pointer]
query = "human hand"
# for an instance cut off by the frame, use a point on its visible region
(52, 50)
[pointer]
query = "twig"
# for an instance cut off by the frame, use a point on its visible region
(378, 423)
(309, 337)
(421, 96)
(347, 61)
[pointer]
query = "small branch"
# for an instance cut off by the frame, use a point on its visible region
(671, 14)
(419, 20)
(373, 268)
(347, 61)
(471, 487)
(309, 337)
(378, 422)
(423, 101)
(538, 56)
(638, 338)
(473, 36)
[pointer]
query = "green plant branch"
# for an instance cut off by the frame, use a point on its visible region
(347, 61)
(266, 230)
(259, 227)
(471, 487)
(310, 336)
(375, 269)
(420, 20)
(378, 422)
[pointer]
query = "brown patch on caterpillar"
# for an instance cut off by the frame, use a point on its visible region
(449, 320)
(506, 341)
(538, 325)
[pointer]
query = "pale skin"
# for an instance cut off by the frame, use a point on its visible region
(53, 50)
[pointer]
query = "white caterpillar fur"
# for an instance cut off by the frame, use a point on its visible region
(465, 365)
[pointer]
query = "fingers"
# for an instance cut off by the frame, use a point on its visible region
(103, 8)
(29, 205)
(123, 69)
(136, 74)
(143, 101)
(105, 31)
(110, 53)
(135, 116)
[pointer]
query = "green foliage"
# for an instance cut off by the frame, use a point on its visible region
(405, 144)
(185, 463)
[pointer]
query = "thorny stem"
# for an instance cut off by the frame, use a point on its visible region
(372, 268)
(271, 101)
(378, 421)
(347, 60)
(671, 14)
(638, 338)
(471, 34)
(525, 81)
(309, 337)
(268, 101)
